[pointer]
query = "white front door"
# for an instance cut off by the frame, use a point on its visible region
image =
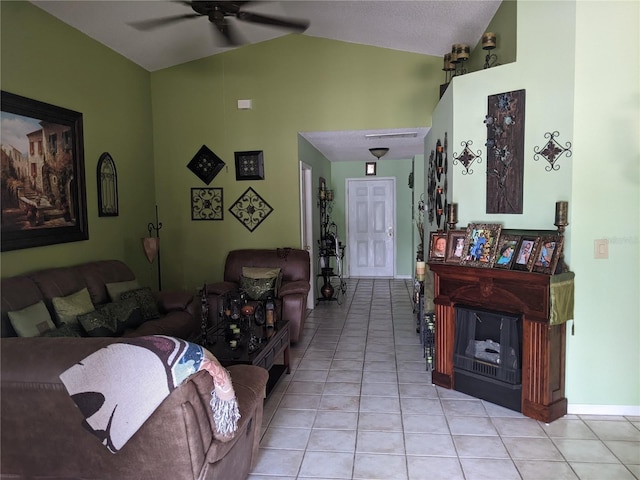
(371, 227)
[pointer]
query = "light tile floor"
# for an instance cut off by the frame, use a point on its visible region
(359, 404)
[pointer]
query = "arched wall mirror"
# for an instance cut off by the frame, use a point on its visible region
(107, 187)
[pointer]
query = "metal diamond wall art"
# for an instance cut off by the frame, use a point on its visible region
(205, 164)
(467, 157)
(206, 204)
(552, 151)
(250, 209)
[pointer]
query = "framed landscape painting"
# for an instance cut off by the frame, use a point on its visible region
(42, 177)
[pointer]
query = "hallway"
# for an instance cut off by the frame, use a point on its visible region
(360, 404)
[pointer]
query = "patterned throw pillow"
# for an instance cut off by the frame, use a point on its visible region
(264, 272)
(146, 301)
(112, 319)
(116, 289)
(31, 321)
(258, 288)
(68, 308)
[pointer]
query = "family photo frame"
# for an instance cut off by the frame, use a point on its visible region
(548, 254)
(506, 251)
(43, 183)
(437, 246)
(480, 244)
(455, 246)
(526, 253)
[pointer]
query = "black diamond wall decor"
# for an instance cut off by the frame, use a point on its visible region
(250, 209)
(205, 164)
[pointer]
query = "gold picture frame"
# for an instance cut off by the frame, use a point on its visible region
(480, 244)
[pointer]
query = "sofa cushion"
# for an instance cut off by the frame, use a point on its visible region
(258, 288)
(68, 308)
(116, 289)
(112, 319)
(32, 320)
(146, 302)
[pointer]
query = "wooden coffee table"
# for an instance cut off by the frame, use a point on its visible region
(273, 343)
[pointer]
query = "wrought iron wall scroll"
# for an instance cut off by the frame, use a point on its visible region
(552, 151)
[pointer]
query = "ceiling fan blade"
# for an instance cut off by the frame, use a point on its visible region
(228, 32)
(290, 23)
(154, 23)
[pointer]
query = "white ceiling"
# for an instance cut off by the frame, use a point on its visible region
(420, 26)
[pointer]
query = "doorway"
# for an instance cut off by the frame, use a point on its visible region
(371, 226)
(306, 225)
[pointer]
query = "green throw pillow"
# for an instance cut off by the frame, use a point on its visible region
(258, 288)
(31, 321)
(68, 308)
(111, 319)
(264, 272)
(116, 289)
(146, 301)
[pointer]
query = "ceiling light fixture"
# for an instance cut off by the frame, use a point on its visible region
(379, 152)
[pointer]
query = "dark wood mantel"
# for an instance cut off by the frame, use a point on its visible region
(522, 293)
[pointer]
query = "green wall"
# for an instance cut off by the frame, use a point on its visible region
(297, 84)
(44, 59)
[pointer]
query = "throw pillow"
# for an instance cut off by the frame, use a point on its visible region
(68, 308)
(65, 330)
(111, 319)
(264, 272)
(32, 320)
(146, 301)
(118, 288)
(258, 288)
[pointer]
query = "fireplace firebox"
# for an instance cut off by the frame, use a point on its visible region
(487, 356)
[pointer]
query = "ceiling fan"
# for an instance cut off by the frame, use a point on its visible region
(218, 14)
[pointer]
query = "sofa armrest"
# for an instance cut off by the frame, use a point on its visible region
(290, 288)
(175, 300)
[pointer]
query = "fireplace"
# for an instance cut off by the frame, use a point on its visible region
(510, 294)
(487, 356)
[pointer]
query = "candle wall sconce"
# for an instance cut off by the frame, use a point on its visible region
(552, 151)
(488, 44)
(467, 157)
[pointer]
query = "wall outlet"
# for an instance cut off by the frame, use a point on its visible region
(601, 248)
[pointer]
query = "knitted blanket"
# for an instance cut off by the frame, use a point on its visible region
(118, 387)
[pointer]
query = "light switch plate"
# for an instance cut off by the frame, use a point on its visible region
(601, 248)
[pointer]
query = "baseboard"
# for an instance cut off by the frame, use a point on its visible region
(628, 410)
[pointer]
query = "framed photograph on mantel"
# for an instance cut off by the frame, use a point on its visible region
(549, 252)
(506, 251)
(43, 183)
(455, 246)
(437, 246)
(480, 244)
(526, 253)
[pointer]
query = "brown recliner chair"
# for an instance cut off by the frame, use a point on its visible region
(291, 299)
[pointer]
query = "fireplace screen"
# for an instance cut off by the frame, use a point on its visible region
(489, 344)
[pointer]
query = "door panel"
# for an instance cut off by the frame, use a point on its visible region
(371, 224)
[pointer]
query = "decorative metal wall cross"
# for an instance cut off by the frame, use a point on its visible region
(552, 151)
(467, 157)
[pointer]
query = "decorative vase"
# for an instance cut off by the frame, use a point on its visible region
(327, 289)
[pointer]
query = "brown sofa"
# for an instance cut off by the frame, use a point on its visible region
(291, 301)
(43, 436)
(175, 308)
